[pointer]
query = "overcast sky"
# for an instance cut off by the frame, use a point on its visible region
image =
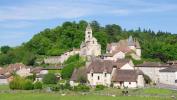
(21, 19)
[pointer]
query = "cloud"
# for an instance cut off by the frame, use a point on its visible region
(68, 9)
(42, 11)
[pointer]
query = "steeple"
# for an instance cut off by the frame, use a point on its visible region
(88, 33)
(88, 27)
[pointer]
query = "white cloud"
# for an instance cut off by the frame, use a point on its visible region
(42, 11)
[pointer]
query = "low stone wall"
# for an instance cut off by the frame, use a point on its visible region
(60, 59)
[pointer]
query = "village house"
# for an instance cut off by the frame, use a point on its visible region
(3, 78)
(168, 75)
(125, 47)
(40, 72)
(151, 69)
(6, 74)
(118, 73)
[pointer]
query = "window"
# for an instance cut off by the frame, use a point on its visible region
(175, 81)
(98, 77)
(129, 82)
(105, 74)
(88, 32)
(92, 74)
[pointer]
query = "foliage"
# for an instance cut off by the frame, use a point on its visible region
(5, 49)
(21, 84)
(82, 79)
(37, 85)
(16, 83)
(50, 78)
(72, 62)
(99, 87)
(147, 79)
(82, 88)
(59, 87)
(19, 54)
(56, 41)
(27, 85)
(31, 77)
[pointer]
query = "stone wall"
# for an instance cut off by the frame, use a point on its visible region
(60, 59)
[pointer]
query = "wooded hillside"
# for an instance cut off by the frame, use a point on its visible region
(52, 42)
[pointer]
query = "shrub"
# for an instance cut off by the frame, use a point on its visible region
(99, 87)
(16, 83)
(50, 78)
(147, 79)
(27, 85)
(82, 79)
(37, 85)
(55, 88)
(31, 77)
(73, 62)
(82, 88)
(67, 86)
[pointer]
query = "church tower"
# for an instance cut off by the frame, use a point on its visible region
(88, 33)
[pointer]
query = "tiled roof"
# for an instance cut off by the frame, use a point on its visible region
(77, 73)
(100, 66)
(36, 70)
(125, 76)
(152, 64)
(169, 69)
(2, 71)
(3, 77)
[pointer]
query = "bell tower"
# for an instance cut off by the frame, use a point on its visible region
(88, 33)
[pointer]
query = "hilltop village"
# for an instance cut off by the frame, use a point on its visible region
(112, 69)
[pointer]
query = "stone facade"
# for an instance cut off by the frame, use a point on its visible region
(90, 46)
(151, 69)
(168, 75)
(62, 58)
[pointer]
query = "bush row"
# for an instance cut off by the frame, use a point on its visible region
(19, 83)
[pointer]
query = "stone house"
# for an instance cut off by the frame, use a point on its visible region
(105, 72)
(168, 75)
(3, 78)
(151, 69)
(119, 50)
(128, 78)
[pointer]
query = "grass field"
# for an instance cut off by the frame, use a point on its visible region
(134, 94)
(55, 96)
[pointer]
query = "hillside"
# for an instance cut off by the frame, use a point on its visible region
(52, 42)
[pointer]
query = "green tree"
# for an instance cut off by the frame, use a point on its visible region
(50, 78)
